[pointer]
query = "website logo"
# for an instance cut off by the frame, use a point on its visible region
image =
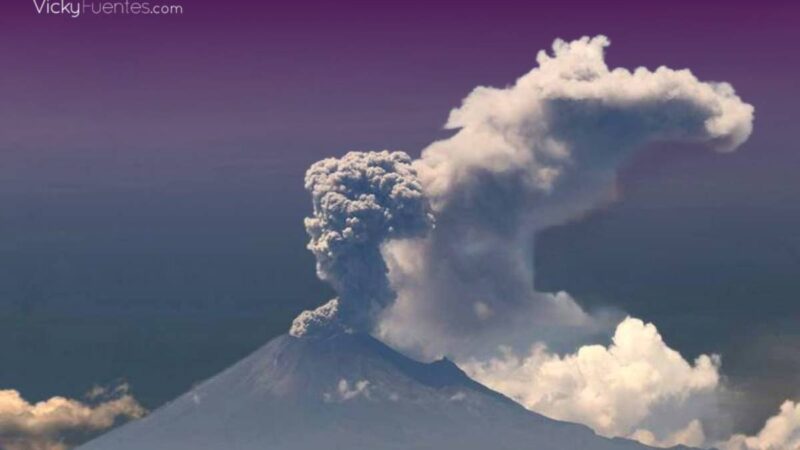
(80, 8)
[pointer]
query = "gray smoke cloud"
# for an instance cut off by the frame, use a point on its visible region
(360, 201)
(524, 158)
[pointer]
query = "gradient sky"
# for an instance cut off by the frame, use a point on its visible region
(151, 176)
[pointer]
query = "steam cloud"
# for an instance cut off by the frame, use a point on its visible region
(59, 423)
(360, 201)
(523, 158)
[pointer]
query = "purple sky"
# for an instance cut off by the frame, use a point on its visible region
(352, 74)
(240, 97)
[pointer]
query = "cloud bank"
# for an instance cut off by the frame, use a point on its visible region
(59, 423)
(616, 390)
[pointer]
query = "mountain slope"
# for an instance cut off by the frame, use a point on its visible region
(349, 392)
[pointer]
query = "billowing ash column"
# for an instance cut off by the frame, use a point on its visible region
(360, 201)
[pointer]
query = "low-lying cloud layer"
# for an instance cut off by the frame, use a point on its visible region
(636, 381)
(59, 423)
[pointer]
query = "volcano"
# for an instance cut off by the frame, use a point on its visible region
(351, 392)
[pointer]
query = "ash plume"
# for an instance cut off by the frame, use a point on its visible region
(526, 157)
(360, 201)
(535, 154)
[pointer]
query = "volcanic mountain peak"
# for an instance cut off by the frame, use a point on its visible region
(346, 391)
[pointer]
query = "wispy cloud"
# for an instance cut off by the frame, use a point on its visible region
(346, 391)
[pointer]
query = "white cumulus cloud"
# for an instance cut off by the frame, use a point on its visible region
(692, 435)
(780, 432)
(618, 389)
(59, 423)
